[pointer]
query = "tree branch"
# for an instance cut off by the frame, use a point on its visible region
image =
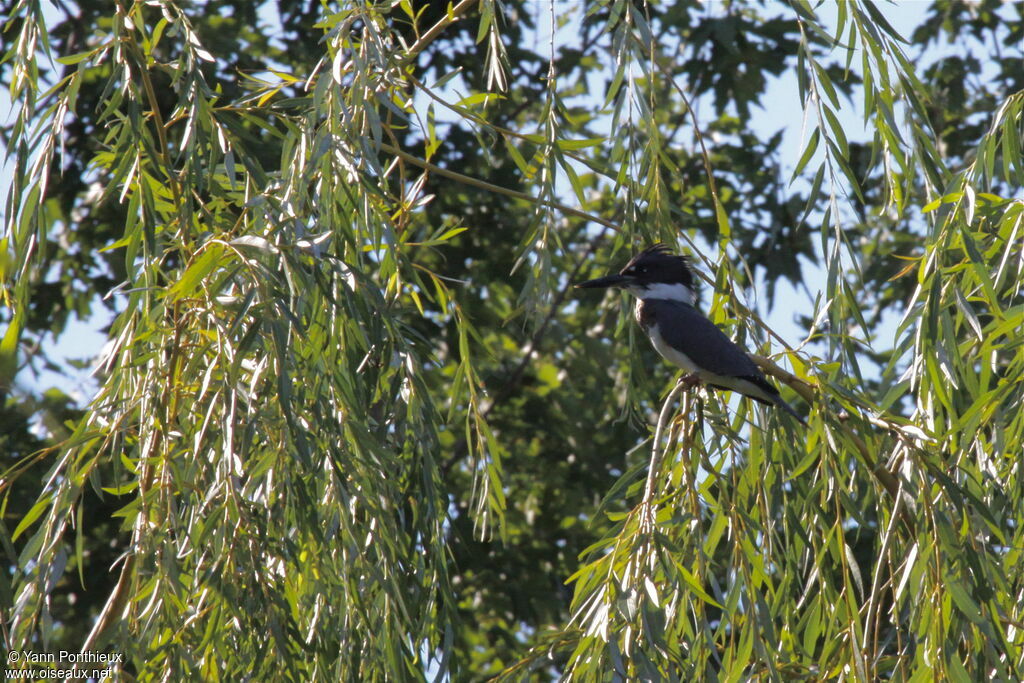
(452, 16)
(490, 187)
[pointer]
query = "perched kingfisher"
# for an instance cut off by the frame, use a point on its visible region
(663, 286)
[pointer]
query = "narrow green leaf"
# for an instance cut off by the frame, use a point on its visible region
(571, 145)
(695, 586)
(71, 60)
(812, 147)
(197, 272)
(837, 130)
(32, 515)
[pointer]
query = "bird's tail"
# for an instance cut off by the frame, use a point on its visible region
(781, 402)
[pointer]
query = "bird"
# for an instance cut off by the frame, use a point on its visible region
(662, 283)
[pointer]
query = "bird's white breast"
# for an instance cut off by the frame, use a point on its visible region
(681, 360)
(669, 352)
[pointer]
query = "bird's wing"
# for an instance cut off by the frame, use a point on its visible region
(704, 343)
(708, 348)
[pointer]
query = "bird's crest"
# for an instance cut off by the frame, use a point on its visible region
(663, 253)
(658, 248)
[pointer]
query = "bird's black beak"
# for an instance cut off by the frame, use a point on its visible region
(606, 281)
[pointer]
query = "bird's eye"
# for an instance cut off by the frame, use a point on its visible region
(643, 269)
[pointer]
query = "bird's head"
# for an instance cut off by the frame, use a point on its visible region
(654, 273)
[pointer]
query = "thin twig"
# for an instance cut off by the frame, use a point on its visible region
(447, 20)
(501, 130)
(657, 454)
(490, 187)
(873, 617)
(706, 158)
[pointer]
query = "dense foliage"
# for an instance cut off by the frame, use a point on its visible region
(353, 422)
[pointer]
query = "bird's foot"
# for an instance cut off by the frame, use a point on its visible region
(690, 381)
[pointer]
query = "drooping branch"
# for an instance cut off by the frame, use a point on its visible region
(807, 392)
(490, 187)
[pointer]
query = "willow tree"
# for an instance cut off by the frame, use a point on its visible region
(350, 422)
